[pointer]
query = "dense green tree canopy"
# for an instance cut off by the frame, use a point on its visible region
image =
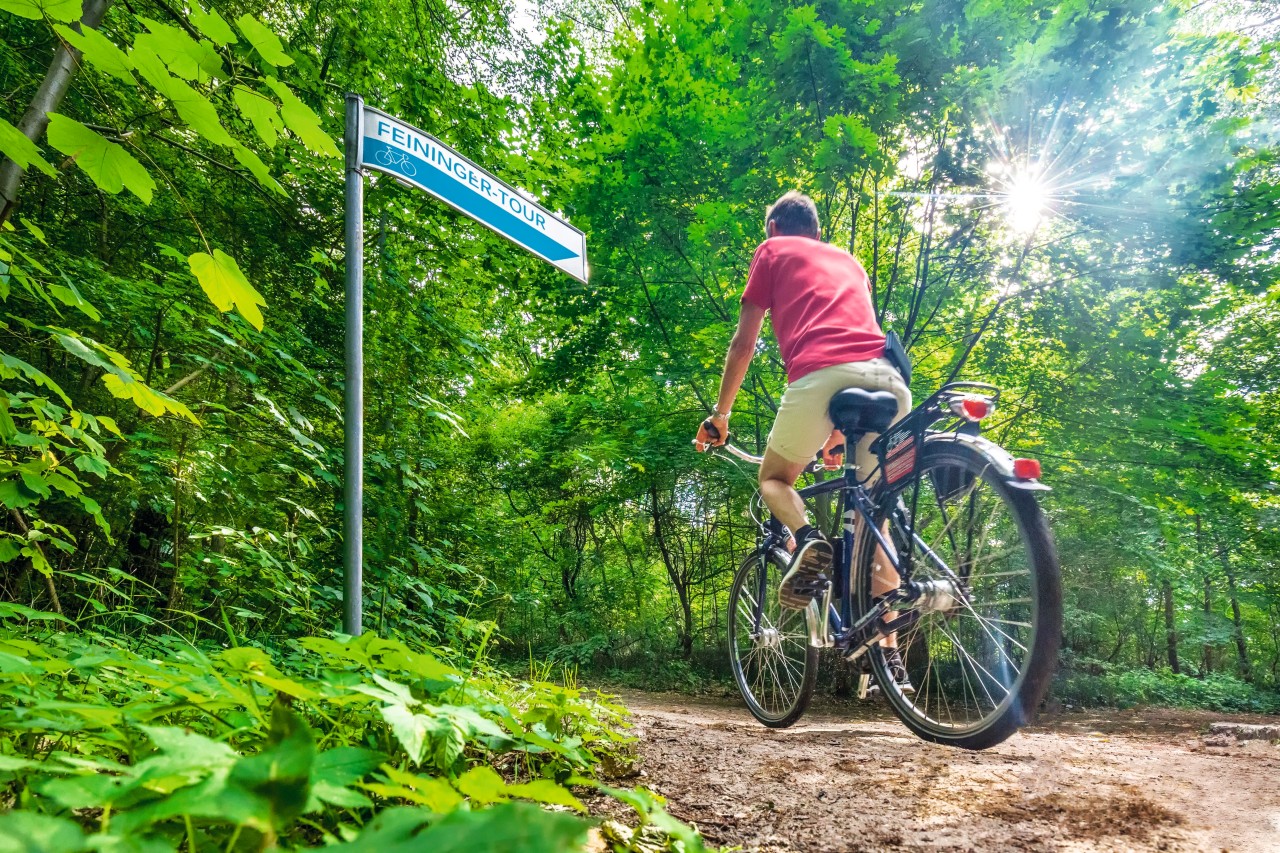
(1075, 201)
(1071, 200)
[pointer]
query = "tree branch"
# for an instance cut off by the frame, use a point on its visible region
(35, 121)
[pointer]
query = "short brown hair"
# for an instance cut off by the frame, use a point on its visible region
(795, 215)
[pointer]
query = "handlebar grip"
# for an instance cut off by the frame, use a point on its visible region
(712, 431)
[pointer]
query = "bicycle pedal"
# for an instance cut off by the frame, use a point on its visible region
(867, 687)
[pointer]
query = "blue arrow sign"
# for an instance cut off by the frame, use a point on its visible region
(419, 159)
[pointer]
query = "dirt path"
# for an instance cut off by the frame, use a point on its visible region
(849, 777)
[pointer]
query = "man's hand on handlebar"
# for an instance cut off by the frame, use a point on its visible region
(713, 432)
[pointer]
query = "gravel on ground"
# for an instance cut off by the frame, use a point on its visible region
(850, 777)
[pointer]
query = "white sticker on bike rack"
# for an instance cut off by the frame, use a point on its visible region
(419, 159)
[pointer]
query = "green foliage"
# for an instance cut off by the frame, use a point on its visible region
(110, 166)
(20, 149)
(101, 51)
(1090, 684)
(57, 10)
(225, 285)
(368, 741)
(168, 58)
(264, 41)
(171, 377)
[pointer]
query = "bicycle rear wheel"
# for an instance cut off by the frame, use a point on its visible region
(984, 649)
(769, 651)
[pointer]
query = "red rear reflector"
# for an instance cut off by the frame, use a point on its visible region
(1026, 469)
(975, 409)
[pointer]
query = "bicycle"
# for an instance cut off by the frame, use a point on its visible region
(978, 614)
(396, 160)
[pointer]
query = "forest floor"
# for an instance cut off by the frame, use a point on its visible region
(850, 777)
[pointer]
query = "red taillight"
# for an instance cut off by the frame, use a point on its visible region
(1026, 469)
(975, 408)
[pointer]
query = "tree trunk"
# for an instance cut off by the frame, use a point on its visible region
(54, 604)
(1242, 651)
(686, 636)
(1206, 660)
(175, 582)
(678, 580)
(66, 60)
(1170, 635)
(1149, 642)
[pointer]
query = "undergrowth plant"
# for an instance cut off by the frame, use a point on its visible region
(1095, 683)
(345, 743)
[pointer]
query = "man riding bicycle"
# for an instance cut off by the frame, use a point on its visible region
(820, 300)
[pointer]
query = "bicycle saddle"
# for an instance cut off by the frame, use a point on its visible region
(855, 411)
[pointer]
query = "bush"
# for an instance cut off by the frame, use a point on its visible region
(671, 673)
(367, 743)
(1096, 683)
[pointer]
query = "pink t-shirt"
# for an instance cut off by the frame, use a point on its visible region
(820, 300)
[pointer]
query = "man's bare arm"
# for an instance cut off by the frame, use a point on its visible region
(741, 349)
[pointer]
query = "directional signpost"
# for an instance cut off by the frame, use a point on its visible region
(379, 141)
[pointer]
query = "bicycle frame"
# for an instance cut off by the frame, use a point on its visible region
(835, 621)
(962, 640)
(842, 627)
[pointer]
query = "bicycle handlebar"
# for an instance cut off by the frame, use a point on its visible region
(714, 433)
(733, 450)
(728, 448)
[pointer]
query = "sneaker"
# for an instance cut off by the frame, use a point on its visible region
(806, 579)
(898, 670)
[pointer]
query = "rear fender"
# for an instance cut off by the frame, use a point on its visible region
(1001, 460)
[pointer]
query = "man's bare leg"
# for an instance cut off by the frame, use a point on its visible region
(778, 477)
(884, 580)
(809, 572)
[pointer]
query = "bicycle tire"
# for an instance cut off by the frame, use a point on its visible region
(773, 664)
(981, 665)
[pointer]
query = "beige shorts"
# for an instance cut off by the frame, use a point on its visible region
(802, 425)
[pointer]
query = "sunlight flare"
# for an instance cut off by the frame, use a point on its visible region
(1026, 200)
(1023, 191)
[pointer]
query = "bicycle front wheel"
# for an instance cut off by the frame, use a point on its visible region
(980, 657)
(769, 651)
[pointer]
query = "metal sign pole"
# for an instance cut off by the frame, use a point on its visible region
(353, 411)
(380, 141)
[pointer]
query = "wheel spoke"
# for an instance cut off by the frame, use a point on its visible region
(969, 611)
(993, 575)
(993, 620)
(958, 646)
(996, 560)
(789, 670)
